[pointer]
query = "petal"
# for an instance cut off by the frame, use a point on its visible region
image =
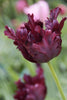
(62, 23)
(54, 13)
(51, 22)
(10, 33)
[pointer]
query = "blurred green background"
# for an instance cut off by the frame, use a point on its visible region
(13, 65)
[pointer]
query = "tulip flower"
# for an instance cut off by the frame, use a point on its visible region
(36, 44)
(33, 88)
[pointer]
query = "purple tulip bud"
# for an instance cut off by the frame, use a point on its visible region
(36, 44)
(33, 88)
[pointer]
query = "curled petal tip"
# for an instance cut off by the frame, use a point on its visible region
(54, 13)
(9, 32)
(62, 23)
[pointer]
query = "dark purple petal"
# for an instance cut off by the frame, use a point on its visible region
(62, 23)
(54, 13)
(25, 53)
(28, 79)
(9, 32)
(39, 23)
(52, 23)
(31, 21)
(19, 84)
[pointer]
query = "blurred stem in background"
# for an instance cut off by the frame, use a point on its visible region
(56, 80)
(54, 4)
(30, 66)
(12, 13)
(1, 10)
(32, 1)
(7, 12)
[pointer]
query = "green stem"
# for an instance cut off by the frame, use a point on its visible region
(56, 80)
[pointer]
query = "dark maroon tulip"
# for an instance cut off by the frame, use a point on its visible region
(33, 88)
(36, 44)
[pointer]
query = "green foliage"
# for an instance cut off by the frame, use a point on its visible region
(53, 3)
(1, 2)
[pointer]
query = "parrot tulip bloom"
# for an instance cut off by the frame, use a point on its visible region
(36, 44)
(33, 88)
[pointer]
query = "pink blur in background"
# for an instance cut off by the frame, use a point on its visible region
(63, 9)
(39, 9)
(20, 5)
